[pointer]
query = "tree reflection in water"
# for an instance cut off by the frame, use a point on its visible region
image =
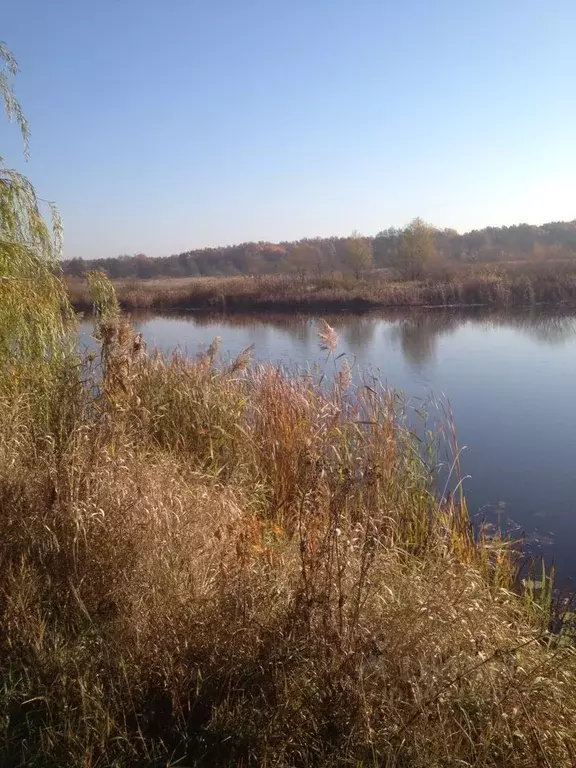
(416, 330)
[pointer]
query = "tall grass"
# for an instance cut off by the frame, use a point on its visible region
(501, 285)
(228, 565)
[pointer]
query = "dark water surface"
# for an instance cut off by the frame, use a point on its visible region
(509, 377)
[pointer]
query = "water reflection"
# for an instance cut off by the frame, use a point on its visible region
(543, 326)
(418, 334)
(357, 330)
(299, 327)
(417, 331)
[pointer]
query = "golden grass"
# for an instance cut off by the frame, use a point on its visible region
(207, 565)
(499, 285)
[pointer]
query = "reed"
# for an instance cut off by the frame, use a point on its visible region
(208, 564)
(500, 285)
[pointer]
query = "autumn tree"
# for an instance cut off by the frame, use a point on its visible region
(34, 307)
(303, 259)
(417, 248)
(358, 254)
(385, 246)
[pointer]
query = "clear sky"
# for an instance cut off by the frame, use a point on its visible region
(163, 126)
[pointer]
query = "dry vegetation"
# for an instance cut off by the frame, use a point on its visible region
(501, 285)
(229, 566)
(206, 565)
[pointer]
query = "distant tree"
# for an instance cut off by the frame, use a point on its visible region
(76, 267)
(145, 267)
(193, 270)
(447, 244)
(391, 247)
(385, 246)
(358, 254)
(319, 257)
(417, 248)
(253, 259)
(330, 256)
(302, 259)
(273, 257)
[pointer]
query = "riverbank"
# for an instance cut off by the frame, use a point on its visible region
(497, 286)
(210, 564)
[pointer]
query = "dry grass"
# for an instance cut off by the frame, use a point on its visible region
(501, 285)
(231, 566)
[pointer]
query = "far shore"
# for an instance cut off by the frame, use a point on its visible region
(511, 285)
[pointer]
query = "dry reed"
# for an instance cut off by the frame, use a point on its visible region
(209, 565)
(496, 285)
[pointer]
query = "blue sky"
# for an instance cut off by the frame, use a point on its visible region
(163, 126)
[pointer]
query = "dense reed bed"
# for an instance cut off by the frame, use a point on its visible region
(227, 565)
(501, 285)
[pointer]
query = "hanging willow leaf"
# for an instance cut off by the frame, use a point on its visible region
(34, 307)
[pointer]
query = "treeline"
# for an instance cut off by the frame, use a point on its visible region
(417, 243)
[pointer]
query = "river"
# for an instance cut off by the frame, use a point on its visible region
(509, 378)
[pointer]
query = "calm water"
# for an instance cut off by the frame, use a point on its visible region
(508, 376)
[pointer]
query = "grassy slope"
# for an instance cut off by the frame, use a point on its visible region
(233, 567)
(500, 285)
